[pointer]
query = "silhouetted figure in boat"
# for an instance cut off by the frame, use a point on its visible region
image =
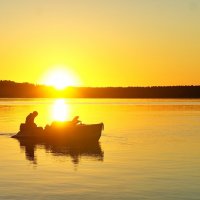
(68, 130)
(30, 119)
(57, 124)
(30, 127)
(75, 121)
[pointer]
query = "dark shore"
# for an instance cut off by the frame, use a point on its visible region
(10, 89)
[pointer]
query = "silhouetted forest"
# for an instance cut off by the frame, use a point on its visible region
(10, 89)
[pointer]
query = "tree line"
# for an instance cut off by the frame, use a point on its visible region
(11, 89)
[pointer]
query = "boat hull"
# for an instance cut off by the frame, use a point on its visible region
(85, 133)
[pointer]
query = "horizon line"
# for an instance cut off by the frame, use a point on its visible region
(38, 84)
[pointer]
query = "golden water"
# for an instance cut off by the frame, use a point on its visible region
(149, 150)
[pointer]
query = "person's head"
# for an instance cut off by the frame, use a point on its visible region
(75, 119)
(35, 113)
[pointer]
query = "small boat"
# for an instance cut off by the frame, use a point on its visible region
(66, 131)
(79, 132)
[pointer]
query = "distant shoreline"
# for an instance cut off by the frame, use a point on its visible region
(11, 89)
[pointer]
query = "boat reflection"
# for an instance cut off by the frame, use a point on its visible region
(73, 150)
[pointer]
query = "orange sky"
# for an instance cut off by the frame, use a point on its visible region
(102, 43)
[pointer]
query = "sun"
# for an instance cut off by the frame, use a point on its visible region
(60, 78)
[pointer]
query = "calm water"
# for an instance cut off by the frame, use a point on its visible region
(150, 149)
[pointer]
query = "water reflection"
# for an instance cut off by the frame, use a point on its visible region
(73, 150)
(60, 110)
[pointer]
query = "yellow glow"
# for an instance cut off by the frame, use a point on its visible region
(104, 50)
(59, 78)
(60, 110)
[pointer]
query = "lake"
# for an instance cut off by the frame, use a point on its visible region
(149, 149)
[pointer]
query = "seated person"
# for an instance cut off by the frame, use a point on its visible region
(30, 119)
(29, 123)
(60, 125)
(75, 120)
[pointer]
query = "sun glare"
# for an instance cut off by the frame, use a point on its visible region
(59, 78)
(60, 110)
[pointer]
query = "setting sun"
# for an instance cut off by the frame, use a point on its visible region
(59, 78)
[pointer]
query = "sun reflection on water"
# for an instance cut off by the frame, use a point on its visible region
(60, 110)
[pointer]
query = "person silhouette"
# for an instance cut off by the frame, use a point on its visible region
(75, 120)
(29, 124)
(30, 118)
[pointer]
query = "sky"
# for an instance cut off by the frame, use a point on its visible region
(101, 42)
